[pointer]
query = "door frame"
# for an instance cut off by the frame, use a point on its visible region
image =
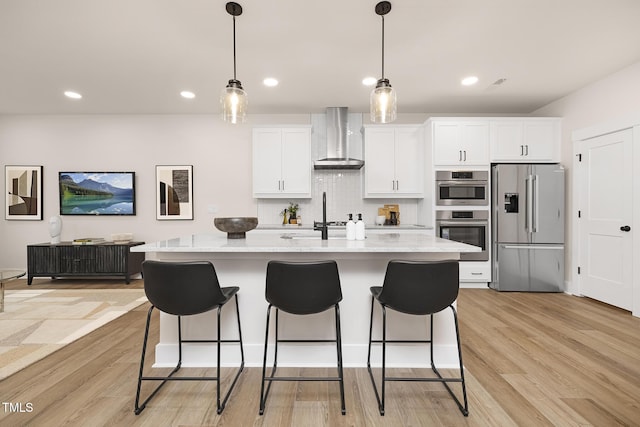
(578, 136)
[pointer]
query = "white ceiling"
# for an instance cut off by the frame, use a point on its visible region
(135, 56)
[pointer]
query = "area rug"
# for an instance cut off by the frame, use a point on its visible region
(35, 323)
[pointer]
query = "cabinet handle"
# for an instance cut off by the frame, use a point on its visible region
(459, 155)
(522, 150)
(465, 155)
(526, 153)
(283, 185)
(279, 186)
(398, 185)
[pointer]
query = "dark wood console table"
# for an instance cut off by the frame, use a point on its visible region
(67, 260)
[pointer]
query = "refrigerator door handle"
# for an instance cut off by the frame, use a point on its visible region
(534, 210)
(557, 248)
(529, 204)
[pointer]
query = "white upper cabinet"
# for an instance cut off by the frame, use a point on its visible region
(282, 162)
(525, 140)
(393, 161)
(460, 142)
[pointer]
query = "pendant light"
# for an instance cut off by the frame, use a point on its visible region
(383, 97)
(234, 99)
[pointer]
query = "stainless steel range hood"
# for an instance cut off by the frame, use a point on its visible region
(337, 142)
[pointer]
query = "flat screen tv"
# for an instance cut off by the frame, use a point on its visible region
(97, 193)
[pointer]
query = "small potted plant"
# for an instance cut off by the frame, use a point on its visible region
(293, 212)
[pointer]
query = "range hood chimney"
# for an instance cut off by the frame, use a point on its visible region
(337, 142)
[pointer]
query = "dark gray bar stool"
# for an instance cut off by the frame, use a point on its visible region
(419, 288)
(301, 288)
(184, 289)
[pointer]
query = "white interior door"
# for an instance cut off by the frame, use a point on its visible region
(604, 181)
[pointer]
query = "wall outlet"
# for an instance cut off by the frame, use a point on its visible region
(212, 208)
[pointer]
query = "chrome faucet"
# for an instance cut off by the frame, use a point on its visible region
(322, 226)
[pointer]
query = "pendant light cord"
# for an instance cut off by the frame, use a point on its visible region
(234, 48)
(382, 16)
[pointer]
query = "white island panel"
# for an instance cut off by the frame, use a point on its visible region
(361, 264)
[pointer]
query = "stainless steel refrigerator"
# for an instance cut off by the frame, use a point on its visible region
(528, 227)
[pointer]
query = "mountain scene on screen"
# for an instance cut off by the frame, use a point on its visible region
(90, 196)
(89, 187)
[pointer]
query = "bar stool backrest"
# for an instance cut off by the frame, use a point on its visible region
(420, 287)
(182, 288)
(303, 287)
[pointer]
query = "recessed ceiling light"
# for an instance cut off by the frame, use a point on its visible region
(469, 81)
(71, 94)
(187, 94)
(369, 81)
(270, 82)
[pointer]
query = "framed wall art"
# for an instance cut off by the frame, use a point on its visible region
(23, 189)
(174, 192)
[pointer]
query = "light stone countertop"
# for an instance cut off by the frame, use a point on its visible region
(372, 227)
(306, 241)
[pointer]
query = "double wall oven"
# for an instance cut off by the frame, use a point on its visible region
(462, 210)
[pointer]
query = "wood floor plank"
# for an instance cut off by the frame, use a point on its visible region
(531, 360)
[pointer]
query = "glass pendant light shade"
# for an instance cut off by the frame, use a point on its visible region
(383, 103)
(233, 100)
(234, 103)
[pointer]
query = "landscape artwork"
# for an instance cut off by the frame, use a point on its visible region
(24, 192)
(97, 193)
(174, 192)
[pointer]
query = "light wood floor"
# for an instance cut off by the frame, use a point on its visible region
(531, 360)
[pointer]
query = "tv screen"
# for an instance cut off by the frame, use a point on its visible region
(97, 193)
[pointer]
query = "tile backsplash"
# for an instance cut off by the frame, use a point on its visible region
(344, 188)
(344, 196)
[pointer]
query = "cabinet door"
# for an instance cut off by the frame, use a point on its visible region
(379, 162)
(409, 162)
(43, 260)
(111, 259)
(267, 161)
(507, 141)
(296, 162)
(475, 143)
(447, 143)
(542, 140)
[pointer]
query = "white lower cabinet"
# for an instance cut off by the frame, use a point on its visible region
(475, 274)
(393, 161)
(282, 162)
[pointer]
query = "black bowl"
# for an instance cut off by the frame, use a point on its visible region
(236, 227)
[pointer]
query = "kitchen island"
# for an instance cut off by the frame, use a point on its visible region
(361, 264)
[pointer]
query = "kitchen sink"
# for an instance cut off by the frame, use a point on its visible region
(315, 236)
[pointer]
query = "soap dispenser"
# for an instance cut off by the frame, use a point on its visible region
(360, 228)
(351, 228)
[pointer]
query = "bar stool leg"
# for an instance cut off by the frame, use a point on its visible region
(223, 404)
(340, 368)
(264, 363)
(379, 398)
(384, 357)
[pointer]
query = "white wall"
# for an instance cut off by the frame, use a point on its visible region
(609, 99)
(219, 153)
